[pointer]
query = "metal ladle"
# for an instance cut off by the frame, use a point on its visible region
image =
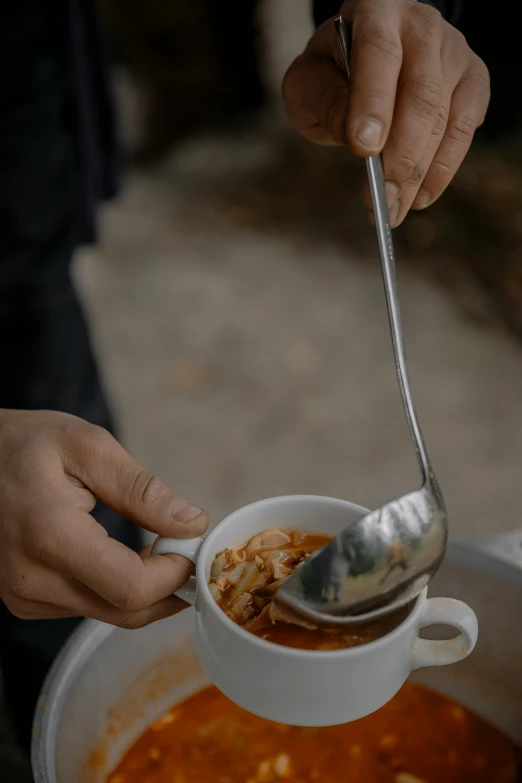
(382, 561)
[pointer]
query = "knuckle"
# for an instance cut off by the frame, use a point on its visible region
(148, 490)
(427, 13)
(333, 117)
(133, 599)
(313, 99)
(95, 436)
(481, 75)
(132, 622)
(462, 129)
(426, 23)
(459, 41)
(63, 429)
(410, 169)
(86, 442)
(305, 94)
(482, 70)
(131, 604)
(476, 83)
(425, 95)
(441, 123)
(383, 43)
(442, 171)
(378, 97)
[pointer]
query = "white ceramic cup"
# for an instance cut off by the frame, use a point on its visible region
(303, 687)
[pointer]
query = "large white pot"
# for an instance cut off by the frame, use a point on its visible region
(109, 684)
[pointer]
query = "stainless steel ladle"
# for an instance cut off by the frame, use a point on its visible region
(385, 559)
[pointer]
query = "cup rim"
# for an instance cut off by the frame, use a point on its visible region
(280, 649)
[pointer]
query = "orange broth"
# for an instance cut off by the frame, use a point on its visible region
(418, 737)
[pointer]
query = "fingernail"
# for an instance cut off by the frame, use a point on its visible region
(371, 217)
(186, 513)
(369, 133)
(392, 193)
(422, 199)
(394, 212)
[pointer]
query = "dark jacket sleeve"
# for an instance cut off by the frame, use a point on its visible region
(450, 9)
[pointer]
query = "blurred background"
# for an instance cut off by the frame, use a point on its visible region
(235, 297)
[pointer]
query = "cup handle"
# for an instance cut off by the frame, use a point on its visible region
(445, 611)
(186, 547)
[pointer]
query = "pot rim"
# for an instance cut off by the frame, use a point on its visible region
(76, 651)
(500, 556)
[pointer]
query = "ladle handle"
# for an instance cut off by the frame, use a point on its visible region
(382, 222)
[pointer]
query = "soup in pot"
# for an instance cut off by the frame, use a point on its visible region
(418, 737)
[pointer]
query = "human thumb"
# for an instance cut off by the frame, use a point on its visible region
(104, 467)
